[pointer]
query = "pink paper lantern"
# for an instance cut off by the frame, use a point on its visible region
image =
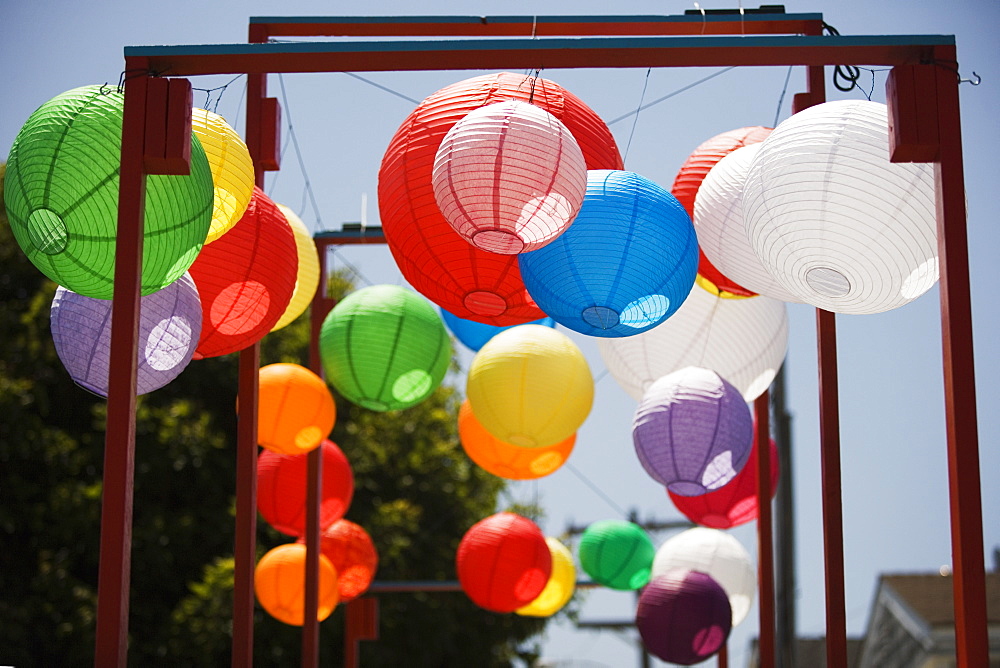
(509, 177)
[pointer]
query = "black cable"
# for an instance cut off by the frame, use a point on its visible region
(849, 74)
(781, 100)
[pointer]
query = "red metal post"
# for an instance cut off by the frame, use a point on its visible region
(114, 574)
(245, 550)
(723, 657)
(833, 518)
(971, 638)
(765, 544)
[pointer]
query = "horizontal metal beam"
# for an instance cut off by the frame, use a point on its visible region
(551, 53)
(750, 22)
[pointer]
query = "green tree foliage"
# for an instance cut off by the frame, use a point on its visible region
(416, 494)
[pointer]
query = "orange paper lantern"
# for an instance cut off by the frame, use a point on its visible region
(688, 181)
(505, 459)
(464, 280)
(351, 551)
(245, 278)
(295, 410)
(279, 580)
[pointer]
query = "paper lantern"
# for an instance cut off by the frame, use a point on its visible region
(617, 554)
(279, 580)
(231, 166)
(246, 278)
(62, 197)
(744, 340)
(560, 587)
(282, 483)
(683, 617)
(624, 266)
(833, 220)
(350, 550)
(307, 276)
(169, 324)
(384, 348)
(503, 562)
(689, 180)
(715, 553)
(509, 177)
(692, 431)
(722, 237)
(503, 459)
(295, 410)
(474, 335)
(436, 260)
(734, 503)
(530, 386)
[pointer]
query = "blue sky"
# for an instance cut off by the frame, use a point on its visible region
(894, 464)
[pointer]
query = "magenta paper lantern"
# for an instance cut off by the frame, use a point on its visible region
(683, 617)
(692, 431)
(169, 326)
(509, 177)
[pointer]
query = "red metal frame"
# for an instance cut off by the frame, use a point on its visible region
(765, 540)
(806, 49)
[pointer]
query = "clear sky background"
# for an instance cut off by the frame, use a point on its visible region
(896, 516)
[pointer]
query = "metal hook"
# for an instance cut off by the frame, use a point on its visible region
(975, 81)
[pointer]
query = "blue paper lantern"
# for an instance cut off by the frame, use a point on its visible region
(626, 263)
(474, 335)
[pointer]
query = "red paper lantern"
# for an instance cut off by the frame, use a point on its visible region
(734, 503)
(503, 562)
(689, 178)
(282, 483)
(245, 278)
(351, 551)
(466, 281)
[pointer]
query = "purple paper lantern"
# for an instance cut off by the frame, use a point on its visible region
(683, 617)
(692, 431)
(169, 327)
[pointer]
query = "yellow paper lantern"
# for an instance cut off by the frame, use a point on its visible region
(232, 169)
(530, 386)
(560, 587)
(307, 279)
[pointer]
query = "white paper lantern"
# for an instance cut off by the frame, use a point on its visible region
(833, 220)
(715, 553)
(743, 340)
(722, 237)
(509, 177)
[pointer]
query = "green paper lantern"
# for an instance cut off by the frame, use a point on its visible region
(61, 195)
(617, 554)
(384, 348)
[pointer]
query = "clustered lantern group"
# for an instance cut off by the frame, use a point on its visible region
(505, 202)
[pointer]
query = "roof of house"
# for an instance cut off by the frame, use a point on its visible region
(930, 596)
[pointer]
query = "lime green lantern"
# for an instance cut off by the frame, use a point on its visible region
(61, 195)
(384, 348)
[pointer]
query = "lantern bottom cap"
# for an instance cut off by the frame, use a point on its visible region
(601, 317)
(687, 488)
(47, 231)
(485, 303)
(496, 240)
(828, 282)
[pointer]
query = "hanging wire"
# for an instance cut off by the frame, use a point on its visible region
(670, 95)
(381, 87)
(635, 119)
(353, 268)
(845, 77)
(298, 154)
(781, 100)
(595, 489)
(218, 98)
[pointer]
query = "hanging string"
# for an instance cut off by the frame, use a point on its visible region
(353, 268)
(670, 95)
(635, 119)
(298, 154)
(781, 100)
(595, 489)
(381, 87)
(218, 98)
